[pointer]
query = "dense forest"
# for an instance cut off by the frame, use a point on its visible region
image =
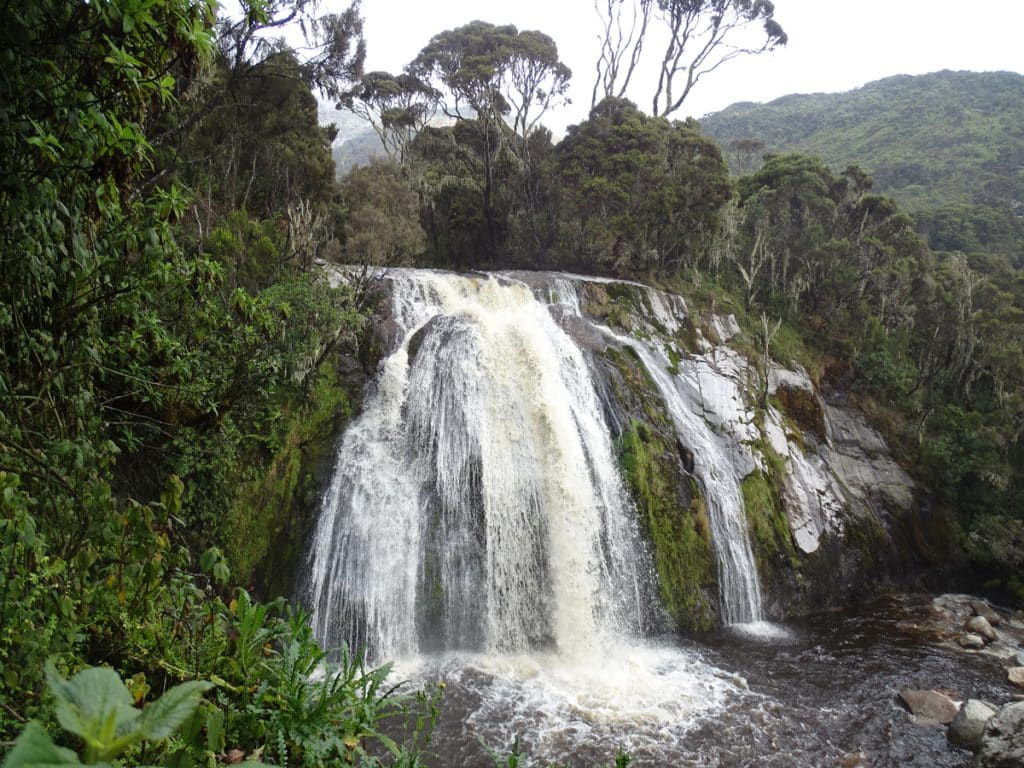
(946, 146)
(175, 361)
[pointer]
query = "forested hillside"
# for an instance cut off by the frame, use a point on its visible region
(948, 146)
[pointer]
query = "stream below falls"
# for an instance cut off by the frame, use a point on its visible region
(823, 694)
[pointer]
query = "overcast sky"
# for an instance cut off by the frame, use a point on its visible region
(834, 45)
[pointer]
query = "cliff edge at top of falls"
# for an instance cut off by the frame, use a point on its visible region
(696, 414)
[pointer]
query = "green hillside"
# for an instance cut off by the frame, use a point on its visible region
(938, 143)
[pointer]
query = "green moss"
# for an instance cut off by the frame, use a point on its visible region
(767, 521)
(803, 408)
(642, 389)
(673, 359)
(868, 537)
(269, 519)
(679, 534)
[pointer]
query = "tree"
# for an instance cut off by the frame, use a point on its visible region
(639, 192)
(745, 154)
(334, 41)
(383, 225)
(397, 107)
(489, 74)
(701, 36)
(623, 28)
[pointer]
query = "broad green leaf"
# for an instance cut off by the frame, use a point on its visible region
(94, 704)
(165, 715)
(35, 749)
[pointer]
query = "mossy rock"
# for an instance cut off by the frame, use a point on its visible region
(677, 527)
(770, 534)
(271, 518)
(636, 390)
(803, 407)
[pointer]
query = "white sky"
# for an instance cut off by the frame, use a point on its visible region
(834, 45)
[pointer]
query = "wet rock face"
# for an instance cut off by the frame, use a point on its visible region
(799, 400)
(833, 497)
(861, 460)
(1002, 742)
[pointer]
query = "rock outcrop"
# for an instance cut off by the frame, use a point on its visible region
(967, 727)
(1002, 742)
(829, 511)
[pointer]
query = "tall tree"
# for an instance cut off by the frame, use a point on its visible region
(623, 29)
(397, 107)
(639, 193)
(500, 81)
(700, 35)
(334, 41)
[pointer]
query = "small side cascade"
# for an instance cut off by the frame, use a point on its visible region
(699, 397)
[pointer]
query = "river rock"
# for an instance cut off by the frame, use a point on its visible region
(969, 724)
(930, 704)
(983, 609)
(971, 640)
(1016, 676)
(979, 625)
(1018, 659)
(1002, 743)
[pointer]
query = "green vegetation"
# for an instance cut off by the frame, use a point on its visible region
(768, 523)
(167, 363)
(947, 146)
(169, 345)
(679, 534)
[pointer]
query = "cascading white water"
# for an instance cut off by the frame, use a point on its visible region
(476, 503)
(695, 395)
(738, 585)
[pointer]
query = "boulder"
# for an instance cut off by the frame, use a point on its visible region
(969, 724)
(983, 609)
(930, 704)
(1002, 743)
(971, 640)
(1018, 659)
(1016, 676)
(979, 625)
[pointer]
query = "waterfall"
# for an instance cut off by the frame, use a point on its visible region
(476, 503)
(715, 467)
(699, 395)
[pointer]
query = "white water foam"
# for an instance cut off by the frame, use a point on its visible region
(480, 486)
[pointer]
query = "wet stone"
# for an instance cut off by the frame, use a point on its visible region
(1016, 676)
(1002, 744)
(929, 704)
(979, 625)
(971, 640)
(969, 724)
(983, 609)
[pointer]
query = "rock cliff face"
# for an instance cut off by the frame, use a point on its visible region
(758, 498)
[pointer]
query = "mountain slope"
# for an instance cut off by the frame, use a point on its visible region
(930, 141)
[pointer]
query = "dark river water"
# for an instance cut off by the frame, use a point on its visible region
(820, 691)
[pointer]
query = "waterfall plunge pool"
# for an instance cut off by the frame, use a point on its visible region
(824, 693)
